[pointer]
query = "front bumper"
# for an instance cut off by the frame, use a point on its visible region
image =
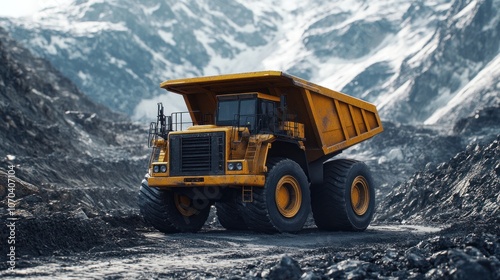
(201, 181)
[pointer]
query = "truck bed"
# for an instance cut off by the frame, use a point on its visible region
(332, 120)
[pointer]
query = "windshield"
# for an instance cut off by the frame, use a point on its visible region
(247, 112)
(227, 111)
(239, 112)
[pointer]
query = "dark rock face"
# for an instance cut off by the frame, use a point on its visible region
(358, 40)
(373, 76)
(47, 123)
(482, 126)
(466, 41)
(466, 188)
(72, 159)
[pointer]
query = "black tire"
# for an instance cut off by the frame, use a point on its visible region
(229, 211)
(266, 213)
(346, 199)
(162, 209)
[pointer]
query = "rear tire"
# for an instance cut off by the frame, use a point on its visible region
(346, 199)
(171, 212)
(229, 211)
(284, 203)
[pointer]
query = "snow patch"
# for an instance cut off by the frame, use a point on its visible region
(467, 94)
(395, 154)
(390, 98)
(116, 61)
(425, 52)
(168, 37)
(150, 10)
(44, 96)
(465, 16)
(84, 77)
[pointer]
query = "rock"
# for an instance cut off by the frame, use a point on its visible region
(436, 273)
(396, 155)
(473, 252)
(391, 254)
(350, 269)
(32, 199)
(439, 258)
(310, 276)
(79, 214)
(471, 270)
(287, 269)
(3, 191)
(366, 256)
(417, 261)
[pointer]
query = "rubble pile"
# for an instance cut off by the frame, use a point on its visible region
(465, 189)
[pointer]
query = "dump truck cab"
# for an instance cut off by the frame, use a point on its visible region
(256, 147)
(251, 110)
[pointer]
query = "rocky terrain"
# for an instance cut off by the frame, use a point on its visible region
(462, 189)
(68, 155)
(467, 245)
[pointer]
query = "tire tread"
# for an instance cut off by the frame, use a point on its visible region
(156, 207)
(328, 201)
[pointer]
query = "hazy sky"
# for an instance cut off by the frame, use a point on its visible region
(17, 8)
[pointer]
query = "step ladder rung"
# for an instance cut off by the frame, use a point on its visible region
(247, 194)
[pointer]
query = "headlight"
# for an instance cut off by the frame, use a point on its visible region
(160, 168)
(233, 166)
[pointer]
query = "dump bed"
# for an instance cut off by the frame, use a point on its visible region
(332, 120)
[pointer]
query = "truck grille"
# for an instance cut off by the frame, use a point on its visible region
(197, 154)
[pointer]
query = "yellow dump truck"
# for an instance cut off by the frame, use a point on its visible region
(259, 146)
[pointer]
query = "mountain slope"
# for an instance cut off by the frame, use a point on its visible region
(119, 51)
(416, 60)
(69, 169)
(465, 45)
(60, 143)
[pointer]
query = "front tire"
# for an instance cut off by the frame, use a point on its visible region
(171, 212)
(229, 211)
(284, 203)
(346, 199)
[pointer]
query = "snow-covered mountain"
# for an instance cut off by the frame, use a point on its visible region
(419, 61)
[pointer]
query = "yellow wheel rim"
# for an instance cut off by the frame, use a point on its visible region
(183, 204)
(360, 195)
(288, 196)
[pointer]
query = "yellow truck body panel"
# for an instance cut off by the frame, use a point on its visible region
(332, 120)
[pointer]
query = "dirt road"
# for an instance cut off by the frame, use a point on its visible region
(212, 253)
